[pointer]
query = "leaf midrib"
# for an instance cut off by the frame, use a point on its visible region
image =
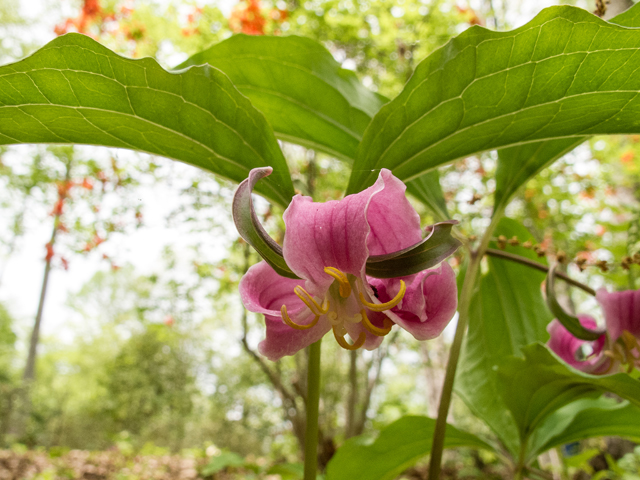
(78, 109)
(126, 87)
(435, 144)
(476, 79)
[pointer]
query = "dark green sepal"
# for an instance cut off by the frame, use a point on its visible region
(250, 228)
(437, 246)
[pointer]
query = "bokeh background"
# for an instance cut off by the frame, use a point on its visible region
(147, 365)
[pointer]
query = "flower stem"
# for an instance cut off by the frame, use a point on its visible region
(452, 365)
(313, 401)
(464, 304)
(543, 268)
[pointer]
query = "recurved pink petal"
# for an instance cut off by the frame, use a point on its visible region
(331, 234)
(264, 291)
(429, 303)
(343, 233)
(283, 340)
(567, 347)
(394, 223)
(621, 311)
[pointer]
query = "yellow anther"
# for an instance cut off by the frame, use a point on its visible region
(630, 342)
(343, 343)
(623, 350)
(381, 307)
(345, 286)
(292, 324)
(310, 302)
(379, 332)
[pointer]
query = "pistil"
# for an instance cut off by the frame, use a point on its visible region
(343, 342)
(345, 286)
(339, 309)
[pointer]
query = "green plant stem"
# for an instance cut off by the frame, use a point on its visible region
(313, 402)
(452, 365)
(538, 266)
(464, 303)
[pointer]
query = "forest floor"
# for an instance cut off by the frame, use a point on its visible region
(23, 464)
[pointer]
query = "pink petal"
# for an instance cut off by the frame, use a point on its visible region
(342, 234)
(565, 345)
(264, 291)
(429, 303)
(394, 223)
(621, 311)
(283, 340)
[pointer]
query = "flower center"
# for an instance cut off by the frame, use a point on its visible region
(625, 350)
(345, 303)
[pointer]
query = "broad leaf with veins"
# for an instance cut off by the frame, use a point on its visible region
(564, 75)
(74, 90)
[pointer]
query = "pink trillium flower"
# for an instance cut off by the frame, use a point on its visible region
(622, 318)
(327, 245)
(583, 355)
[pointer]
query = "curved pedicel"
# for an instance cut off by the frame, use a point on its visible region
(570, 322)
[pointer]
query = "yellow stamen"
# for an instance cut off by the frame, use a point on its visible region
(631, 343)
(380, 332)
(345, 286)
(623, 350)
(292, 324)
(343, 342)
(381, 307)
(310, 302)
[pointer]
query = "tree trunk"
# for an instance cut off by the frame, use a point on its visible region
(29, 374)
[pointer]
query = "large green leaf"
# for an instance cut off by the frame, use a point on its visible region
(507, 312)
(305, 94)
(308, 98)
(539, 383)
(584, 419)
(518, 164)
(564, 75)
(399, 446)
(74, 90)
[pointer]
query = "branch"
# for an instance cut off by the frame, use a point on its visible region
(274, 378)
(374, 381)
(492, 252)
